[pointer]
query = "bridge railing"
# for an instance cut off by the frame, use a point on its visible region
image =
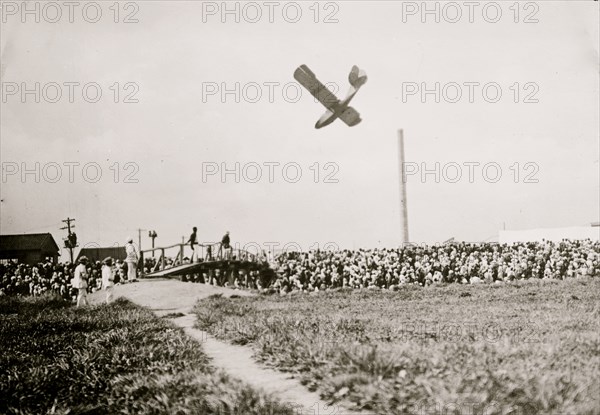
(205, 252)
(161, 262)
(231, 254)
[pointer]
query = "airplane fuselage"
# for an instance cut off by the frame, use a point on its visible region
(336, 110)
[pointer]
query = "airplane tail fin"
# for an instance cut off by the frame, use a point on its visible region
(357, 77)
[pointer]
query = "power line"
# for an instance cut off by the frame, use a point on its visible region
(41, 227)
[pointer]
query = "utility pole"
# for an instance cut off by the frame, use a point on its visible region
(403, 202)
(71, 241)
(153, 235)
(140, 239)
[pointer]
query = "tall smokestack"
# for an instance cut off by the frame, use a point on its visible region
(403, 202)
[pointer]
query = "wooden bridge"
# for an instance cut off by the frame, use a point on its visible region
(209, 256)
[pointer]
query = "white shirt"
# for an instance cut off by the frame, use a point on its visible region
(131, 253)
(107, 276)
(80, 272)
(80, 276)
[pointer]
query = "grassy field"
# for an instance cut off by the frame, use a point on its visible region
(116, 359)
(521, 348)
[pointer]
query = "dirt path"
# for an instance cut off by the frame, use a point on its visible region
(168, 296)
(165, 296)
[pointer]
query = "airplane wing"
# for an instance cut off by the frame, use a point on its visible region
(350, 116)
(309, 81)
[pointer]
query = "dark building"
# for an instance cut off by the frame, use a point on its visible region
(98, 254)
(29, 248)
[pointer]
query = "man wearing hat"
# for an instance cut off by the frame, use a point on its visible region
(131, 259)
(80, 281)
(108, 278)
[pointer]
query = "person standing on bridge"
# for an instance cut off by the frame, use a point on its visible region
(225, 245)
(193, 241)
(131, 259)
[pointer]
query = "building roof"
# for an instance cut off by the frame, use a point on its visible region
(28, 242)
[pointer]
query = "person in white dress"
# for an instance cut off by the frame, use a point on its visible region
(131, 259)
(80, 281)
(108, 279)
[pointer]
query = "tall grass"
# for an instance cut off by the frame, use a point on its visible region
(523, 348)
(116, 359)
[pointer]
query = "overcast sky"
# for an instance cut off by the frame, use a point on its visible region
(178, 57)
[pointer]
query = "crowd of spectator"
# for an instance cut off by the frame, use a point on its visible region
(363, 268)
(233, 276)
(151, 263)
(429, 264)
(47, 277)
(222, 273)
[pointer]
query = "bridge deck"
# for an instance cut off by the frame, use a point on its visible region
(180, 269)
(198, 267)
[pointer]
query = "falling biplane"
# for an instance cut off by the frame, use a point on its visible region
(335, 107)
